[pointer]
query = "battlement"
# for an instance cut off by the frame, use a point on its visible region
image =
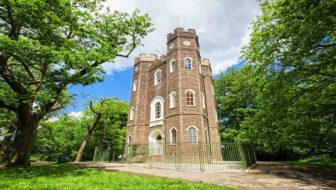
(206, 62)
(146, 57)
(182, 32)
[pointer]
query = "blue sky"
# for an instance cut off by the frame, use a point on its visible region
(222, 28)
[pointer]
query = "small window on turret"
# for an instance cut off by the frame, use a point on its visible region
(172, 66)
(136, 69)
(187, 63)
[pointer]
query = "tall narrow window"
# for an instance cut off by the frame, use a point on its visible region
(135, 85)
(173, 136)
(157, 77)
(172, 66)
(192, 135)
(129, 140)
(203, 100)
(132, 113)
(157, 110)
(172, 99)
(190, 98)
(187, 64)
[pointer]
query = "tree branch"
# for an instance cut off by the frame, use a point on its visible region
(3, 104)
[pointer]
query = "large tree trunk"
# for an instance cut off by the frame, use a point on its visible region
(22, 145)
(25, 137)
(83, 145)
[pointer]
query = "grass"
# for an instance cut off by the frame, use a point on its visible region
(324, 161)
(66, 176)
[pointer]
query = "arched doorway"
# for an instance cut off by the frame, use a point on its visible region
(155, 142)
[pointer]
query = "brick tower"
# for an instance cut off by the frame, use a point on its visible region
(172, 99)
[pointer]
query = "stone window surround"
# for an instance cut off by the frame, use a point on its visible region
(194, 96)
(196, 135)
(171, 136)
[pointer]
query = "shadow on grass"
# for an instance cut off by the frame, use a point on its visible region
(53, 170)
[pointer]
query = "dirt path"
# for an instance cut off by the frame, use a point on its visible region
(265, 176)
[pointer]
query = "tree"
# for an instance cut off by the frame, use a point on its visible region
(46, 46)
(290, 74)
(110, 114)
(235, 98)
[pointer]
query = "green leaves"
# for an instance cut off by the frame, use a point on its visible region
(290, 78)
(49, 45)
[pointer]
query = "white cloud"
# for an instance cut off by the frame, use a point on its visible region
(53, 119)
(222, 27)
(76, 115)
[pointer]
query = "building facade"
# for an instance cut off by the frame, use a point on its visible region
(172, 98)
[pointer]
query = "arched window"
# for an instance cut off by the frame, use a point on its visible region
(130, 139)
(132, 112)
(172, 99)
(173, 136)
(187, 63)
(172, 66)
(135, 85)
(190, 98)
(157, 77)
(192, 135)
(157, 110)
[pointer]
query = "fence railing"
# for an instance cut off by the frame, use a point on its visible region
(199, 157)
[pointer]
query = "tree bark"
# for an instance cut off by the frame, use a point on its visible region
(25, 136)
(89, 131)
(83, 145)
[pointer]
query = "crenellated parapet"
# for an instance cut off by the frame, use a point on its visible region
(143, 57)
(181, 32)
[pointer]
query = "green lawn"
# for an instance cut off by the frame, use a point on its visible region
(65, 176)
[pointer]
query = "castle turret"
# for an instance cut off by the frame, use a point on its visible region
(172, 101)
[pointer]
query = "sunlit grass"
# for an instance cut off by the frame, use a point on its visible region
(65, 176)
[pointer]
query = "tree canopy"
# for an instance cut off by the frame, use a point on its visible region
(284, 99)
(47, 46)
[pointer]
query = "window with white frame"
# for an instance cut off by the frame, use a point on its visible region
(132, 112)
(157, 77)
(172, 66)
(192, 135)
(187, 63)
(173, 133)
(172, 99)
(190, 95)
(156, 109)
(135, 85)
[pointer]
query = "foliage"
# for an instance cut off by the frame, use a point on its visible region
(47, 46)
(64, 136)
(322, 160)
(57, 138)
(71, 177)
(289, 81)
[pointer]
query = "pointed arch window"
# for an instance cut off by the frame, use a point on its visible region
(132, 112)
(203, 100)
(173, 133)
(172, 66)
(156, 109)
(157, 77)
(192, 135)
(187, 63)
(172, 99)
(190, 95)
